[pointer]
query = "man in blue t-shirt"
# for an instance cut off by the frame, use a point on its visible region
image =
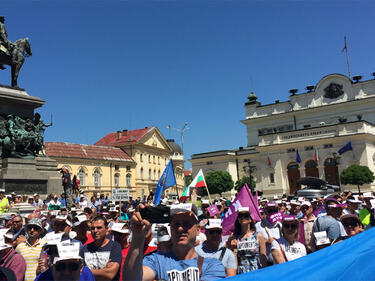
(182, 263)
(103, 256)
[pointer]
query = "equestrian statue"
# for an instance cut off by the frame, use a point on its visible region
(12, 54)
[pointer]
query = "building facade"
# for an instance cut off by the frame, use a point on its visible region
(314, 125)
(99, 168)
(151, 153)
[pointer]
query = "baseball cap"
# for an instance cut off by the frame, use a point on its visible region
(306, 203)
(67, 251)
(213, 223)
(243, 210)
(35, 221)
(205, 202)
(184, 208)
(289, 218)
(118, 227)
(79, 219)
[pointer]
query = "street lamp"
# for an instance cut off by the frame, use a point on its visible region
(181, 131)
(249, 167)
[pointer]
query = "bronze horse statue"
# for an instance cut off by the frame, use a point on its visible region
(16, 57)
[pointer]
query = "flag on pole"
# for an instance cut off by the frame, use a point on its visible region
(316, 155)
(166, 180)
(345, 46)
(268, 161)
(298, 158)
(345, 148)
(197, 182)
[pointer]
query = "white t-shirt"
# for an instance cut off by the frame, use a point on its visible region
(292, 252)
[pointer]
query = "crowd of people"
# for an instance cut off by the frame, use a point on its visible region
(100, 239)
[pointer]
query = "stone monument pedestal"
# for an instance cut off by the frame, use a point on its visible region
(30, 174)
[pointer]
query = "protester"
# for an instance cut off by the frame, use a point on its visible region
(353, 204)
(121, 234)
(4, 203)
(164, 242)
(270, 227)
(352, 225)
(211, 247)
(306, 225)
(9, 258)
(81, 227)
(249, 244)
(103, 256)
(330, 222)
(181, 260)
(67, 265)
(287, 247)
(31, 248)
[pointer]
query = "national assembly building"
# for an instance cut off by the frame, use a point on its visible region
(317, 133)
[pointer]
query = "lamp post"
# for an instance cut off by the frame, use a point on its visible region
(250, 168)
(336, 161)
(181, 131)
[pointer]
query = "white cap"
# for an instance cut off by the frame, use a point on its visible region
(184, 208)
(275, 197)
(36, 194)
(213, 223)
(79, 219)
(243, 210)
(118, 227)
(205, 202)
(307, 203)
(163, 234)
(67, 251)
(3, 245)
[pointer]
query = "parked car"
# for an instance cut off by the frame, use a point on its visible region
(315, 187)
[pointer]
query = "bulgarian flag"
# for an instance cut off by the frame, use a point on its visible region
(197, 182)
(316, 155)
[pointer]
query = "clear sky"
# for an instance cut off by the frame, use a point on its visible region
(103, 66)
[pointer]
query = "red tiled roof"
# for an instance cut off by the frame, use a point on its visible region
(72, 150)
(187, 172)
(133, 136)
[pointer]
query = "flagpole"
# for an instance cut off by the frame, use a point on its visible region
(178, 196)
(347, 58)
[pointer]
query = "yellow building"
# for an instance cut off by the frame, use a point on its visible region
(99, 168)
(151, 152)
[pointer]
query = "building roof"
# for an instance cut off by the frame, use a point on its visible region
(124, 136)
(187, 173)
(175, 147)
(84, 151)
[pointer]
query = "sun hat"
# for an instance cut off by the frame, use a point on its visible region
(213, 223)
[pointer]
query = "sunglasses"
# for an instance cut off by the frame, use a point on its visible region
(35, 227)
(290, 226)
(351, 224)
(244, 216)
(184, 224)
(71, 266)
(214, 231)
(305, 207)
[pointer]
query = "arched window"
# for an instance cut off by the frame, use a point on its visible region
(153, 159)
(155, 175)
(117, 180)
(97, 178)
(149, 174)
(293, 176)
(128, 180)
(141, 157)
(82, 177)
(311, 169)
(159, 160)
(141, 173)
(149, 159)
(159, 174)
(331, 171)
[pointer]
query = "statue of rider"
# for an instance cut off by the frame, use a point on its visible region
(6, 46)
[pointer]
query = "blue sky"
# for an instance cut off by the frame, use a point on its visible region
(104, 66)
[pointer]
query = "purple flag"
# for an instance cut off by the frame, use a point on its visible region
(213, 210)
(242, 200)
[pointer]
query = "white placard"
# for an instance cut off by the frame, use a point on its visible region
(368, 194)
(372, 201)
(69, 250)
(53, 238)
(321, 238)
(120, 194)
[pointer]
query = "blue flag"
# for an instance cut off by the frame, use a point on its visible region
(298, 158)
(166, 180)
(345, 148)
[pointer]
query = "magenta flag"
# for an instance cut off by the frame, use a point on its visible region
(213, 210)
(242, 199)
(254, 200)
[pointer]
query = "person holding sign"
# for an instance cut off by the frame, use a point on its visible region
(250, 244)
(287, 247)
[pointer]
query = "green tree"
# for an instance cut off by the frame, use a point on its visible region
(218, 182)
(357, 175)
(241, 182)
(188, 180)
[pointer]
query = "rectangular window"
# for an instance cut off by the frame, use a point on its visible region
(272, 178)
(209, 163)
(128, 168)
(117, 167)
(290, 150)
(306, 126)
(328, 145)
(307, 148)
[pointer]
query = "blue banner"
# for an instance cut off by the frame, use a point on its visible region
(298, 158)
(166, 180)
(351, 259)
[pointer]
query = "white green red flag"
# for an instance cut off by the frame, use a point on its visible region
(316, 155)
(197, 182)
